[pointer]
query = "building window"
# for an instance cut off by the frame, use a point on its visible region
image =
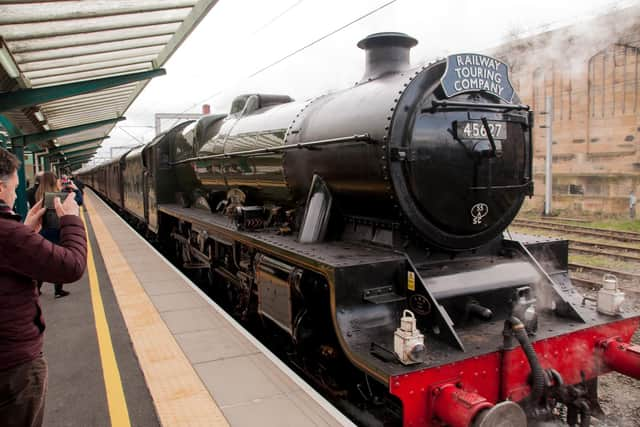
(576, 189)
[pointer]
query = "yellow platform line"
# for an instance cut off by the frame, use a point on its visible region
(116, 402)
(179, 396)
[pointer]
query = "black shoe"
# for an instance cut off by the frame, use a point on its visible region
(61, 294)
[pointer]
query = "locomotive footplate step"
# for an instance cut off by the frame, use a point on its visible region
(199, 365)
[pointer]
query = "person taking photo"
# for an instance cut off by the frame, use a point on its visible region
(27, 257)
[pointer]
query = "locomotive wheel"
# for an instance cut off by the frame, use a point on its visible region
(504, 414)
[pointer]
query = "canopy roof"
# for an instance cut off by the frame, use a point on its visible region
(112, 46)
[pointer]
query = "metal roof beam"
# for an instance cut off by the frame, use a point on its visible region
(79, 119)
(74, 50)
(82, 106)
(77, 158)
(118, 91)
(57, 133)
(76, 161)
(80, 156)
(65, 166)
(69, 77)
(76, 165)
(91, 74)
(30, 97)
(97, 37)
(76, 152)
(43, 13)
(70, 110)
(89, 59)
(58, 71)
(77, 144)
(14, 31)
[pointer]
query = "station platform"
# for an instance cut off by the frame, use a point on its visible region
(136, 343)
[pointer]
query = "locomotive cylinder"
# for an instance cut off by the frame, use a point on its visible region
(622, 357)
(457, 407)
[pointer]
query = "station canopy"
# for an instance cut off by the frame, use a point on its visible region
(71, 69)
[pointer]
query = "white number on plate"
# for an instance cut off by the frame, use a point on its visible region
(477, 130)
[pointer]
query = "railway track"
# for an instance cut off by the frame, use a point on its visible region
(590, 284)
(620, 236)
(590, 269)
(620, 253)
(611, 249)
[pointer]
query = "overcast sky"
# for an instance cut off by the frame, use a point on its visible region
(240, 37)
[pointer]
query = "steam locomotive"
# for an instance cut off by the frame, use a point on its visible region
(365, 229)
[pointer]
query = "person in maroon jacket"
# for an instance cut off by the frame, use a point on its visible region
(25, 257)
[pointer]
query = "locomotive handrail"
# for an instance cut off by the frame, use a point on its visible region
(504, 187)
(436, 104)
(259, 151)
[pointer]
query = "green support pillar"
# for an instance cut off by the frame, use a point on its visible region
(21, 201)
(3, 141)
(46, 164)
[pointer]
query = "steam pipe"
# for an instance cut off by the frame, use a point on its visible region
(537, 383)
(457, 407)
(621, 357)
(478, 310)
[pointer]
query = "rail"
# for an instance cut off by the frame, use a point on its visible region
(262, 151)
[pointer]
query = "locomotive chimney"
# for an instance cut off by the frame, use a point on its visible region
(386, 53)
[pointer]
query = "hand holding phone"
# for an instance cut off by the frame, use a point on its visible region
(50, 218)
(67, 205)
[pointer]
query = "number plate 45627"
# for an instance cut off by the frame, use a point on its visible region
(476, 130)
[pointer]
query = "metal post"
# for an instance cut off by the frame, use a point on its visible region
(21, 202)
(46, 163)
(548, 194)
(36, 164)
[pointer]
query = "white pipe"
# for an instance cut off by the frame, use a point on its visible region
(548, 194)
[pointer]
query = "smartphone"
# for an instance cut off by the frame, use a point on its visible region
(50, 218)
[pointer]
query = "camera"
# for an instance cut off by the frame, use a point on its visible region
(50, 218)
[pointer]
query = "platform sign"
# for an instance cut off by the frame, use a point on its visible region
(471, 72)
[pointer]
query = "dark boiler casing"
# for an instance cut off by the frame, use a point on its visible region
(412, 171)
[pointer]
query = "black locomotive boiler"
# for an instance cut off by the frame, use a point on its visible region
(365, 230)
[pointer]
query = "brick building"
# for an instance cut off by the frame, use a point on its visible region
(592, 71)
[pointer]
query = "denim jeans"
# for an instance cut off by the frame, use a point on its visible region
(22, 393)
